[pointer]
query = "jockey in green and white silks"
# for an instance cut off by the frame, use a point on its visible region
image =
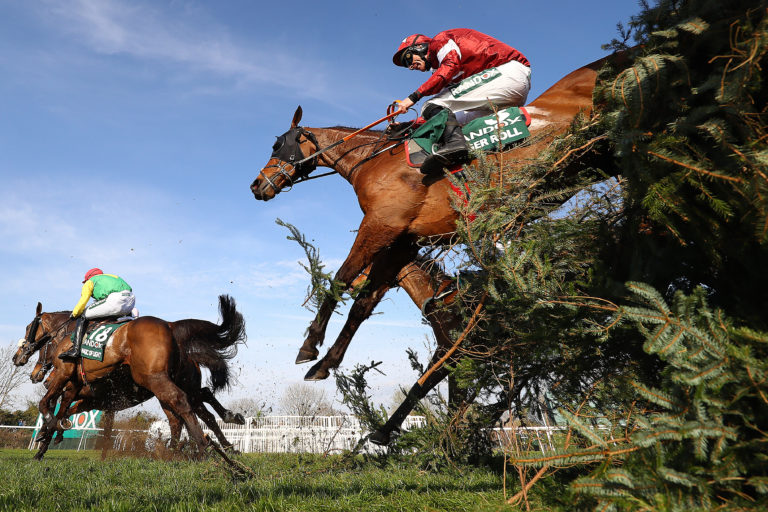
(113, 297)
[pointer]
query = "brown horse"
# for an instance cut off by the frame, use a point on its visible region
(190, 379)
(400, 205)
(145, 357)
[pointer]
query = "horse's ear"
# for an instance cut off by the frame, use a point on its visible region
(39, 309)
(296, 117)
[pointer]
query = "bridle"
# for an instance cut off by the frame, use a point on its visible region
(31, 344)
(285, 151)
(288, 146)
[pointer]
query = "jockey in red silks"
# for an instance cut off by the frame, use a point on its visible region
(472, 71)
(113, 297)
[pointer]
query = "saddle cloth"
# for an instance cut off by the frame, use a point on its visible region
(97, 336)
(494, 132)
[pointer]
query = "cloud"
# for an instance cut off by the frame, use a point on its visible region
(143, 31)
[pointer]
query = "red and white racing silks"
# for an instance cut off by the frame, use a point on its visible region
(459, 53)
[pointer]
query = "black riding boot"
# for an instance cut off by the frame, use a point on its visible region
(452, 148)
(74, 352)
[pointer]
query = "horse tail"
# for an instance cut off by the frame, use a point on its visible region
(212, 345)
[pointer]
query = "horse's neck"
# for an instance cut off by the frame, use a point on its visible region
(54, 322)
(345, 157)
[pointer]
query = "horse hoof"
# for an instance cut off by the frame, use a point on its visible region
(379, 438)
(65, 424)
(239, 419)
(316, 373)
(306, 356)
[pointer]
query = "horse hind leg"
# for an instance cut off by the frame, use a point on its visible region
(173, 398)
(208, 418)
(207, 396)
(431, 290)
(175, 424)
(417, 392)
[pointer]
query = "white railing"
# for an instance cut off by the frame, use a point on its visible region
(300, 434)
(321, 434)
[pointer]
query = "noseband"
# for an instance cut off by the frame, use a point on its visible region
(286, 150)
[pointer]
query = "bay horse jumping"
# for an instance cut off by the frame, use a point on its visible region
(400, 205)
(146, 357)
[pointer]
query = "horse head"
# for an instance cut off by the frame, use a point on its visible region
(33, 339)
(40, 333)
(288, 163)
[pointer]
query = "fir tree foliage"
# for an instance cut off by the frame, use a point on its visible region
(322, 284)
(679, 387)
(701, 442)
(638, 309)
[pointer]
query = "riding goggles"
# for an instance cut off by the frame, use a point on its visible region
(407, 59)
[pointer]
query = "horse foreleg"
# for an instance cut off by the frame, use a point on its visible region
(382, 274)
(62, 417)
(371, 239)
(56, 384)
(361, 309)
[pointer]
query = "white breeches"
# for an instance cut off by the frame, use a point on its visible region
(114, 304)
(510, 89)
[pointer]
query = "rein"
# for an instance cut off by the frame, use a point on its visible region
(347, 137)
(282, 166)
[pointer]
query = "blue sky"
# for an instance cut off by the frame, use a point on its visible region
(130, 132)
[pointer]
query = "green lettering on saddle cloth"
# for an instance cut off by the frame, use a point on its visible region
(491, 132)
(94, 342)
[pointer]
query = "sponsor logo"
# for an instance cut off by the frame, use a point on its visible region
(81, 421)
(490, 131)
(475, 81)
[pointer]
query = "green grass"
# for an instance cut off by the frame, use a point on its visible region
(68, 480)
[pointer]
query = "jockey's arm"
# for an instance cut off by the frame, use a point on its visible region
(450, 66)
(85, 295)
